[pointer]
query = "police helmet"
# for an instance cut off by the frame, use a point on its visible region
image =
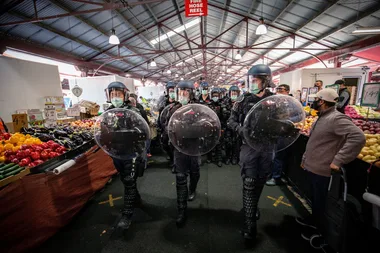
(116, 86)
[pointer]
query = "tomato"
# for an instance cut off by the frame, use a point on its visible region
(53, 154)
(15, 160)
(37, 162)
(23, 147)
(44, 155)
(44, 146)
(32, 164)
(9, 153)
(35, 155)
(11, 157)
(21, 154)
(28, 151)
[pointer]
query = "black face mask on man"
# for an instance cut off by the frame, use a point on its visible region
(315, 105)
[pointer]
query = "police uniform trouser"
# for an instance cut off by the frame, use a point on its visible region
(185, 165)
(215, 153)
(129, 171)
(255, 167)
(168, 147)
(232, 144)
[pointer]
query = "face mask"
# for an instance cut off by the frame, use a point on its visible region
(233, 97)
(204, 92)
(315, 105)
(244, 90)
(117, 102)
(254, 88)
(172, 95)
(183, 100)
(215, 99)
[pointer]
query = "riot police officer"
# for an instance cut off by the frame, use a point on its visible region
(166, 145)
(255, 165)
(231, 138)
(185, 164)
(117, 94)
(204, 96)
(215, 105)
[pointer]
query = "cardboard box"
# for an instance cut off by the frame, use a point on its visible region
(19, 121)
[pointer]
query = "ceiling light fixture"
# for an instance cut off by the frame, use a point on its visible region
(176, 30)
(262, 28)
(153, 63)
(176, 75)
(238, 55)
(168, 72)
(181, 78)
(367, 30)
(113, 40)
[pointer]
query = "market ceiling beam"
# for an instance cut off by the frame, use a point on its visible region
(51, 53)
(341, 27)
(328, 7)
(254, 5)
(270, 25)
(141, 36)
(182, 23)
(67, 36)
(223, 20)
(7, 6)
(122, 42)
(351, 48)
(61, 6)
(105, 7)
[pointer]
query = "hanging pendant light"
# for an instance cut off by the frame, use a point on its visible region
(113, 40)
(181, 78)
(176, 75)
(168, 72)
(153, 63)
(238, 55)
(262, 28)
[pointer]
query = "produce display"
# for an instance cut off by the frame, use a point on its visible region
(85, 123)
(13, 143)
(305, 127)
(10, 169)
(360, 112)
(368, 127)
(371, 152)
(310, 111)
(68, 136)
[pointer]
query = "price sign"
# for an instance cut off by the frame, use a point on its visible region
(195, 8)
(19, 121)
(73, 112)
(370, 94)
(334, 86)
(312, 90)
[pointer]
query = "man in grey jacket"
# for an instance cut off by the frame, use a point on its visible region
(334, 141)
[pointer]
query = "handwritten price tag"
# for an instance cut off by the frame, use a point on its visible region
(370, 94)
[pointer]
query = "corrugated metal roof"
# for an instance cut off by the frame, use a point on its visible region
(313, 19)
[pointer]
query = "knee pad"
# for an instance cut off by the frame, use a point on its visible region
(248, 183)
(181, 178)
(129, 181)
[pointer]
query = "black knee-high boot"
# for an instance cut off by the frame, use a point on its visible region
(251, 195)
(130, 196)
(182, 195)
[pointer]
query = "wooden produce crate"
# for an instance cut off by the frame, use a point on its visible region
(13, 178)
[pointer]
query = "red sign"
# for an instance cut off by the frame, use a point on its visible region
(195, 8)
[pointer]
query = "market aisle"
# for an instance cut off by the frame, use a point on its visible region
(213, 224)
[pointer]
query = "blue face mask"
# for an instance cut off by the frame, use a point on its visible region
(215, 99)
(254, 89)
(172, 95)
(183, 100)
(117, 102)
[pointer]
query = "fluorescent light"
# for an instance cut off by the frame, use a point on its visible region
(177, 30)
(193, 57)
(113, 40)
(153, 63)
(168, 72)
(181, 62)
(367, 30)
(238, 55)
(262, 28)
